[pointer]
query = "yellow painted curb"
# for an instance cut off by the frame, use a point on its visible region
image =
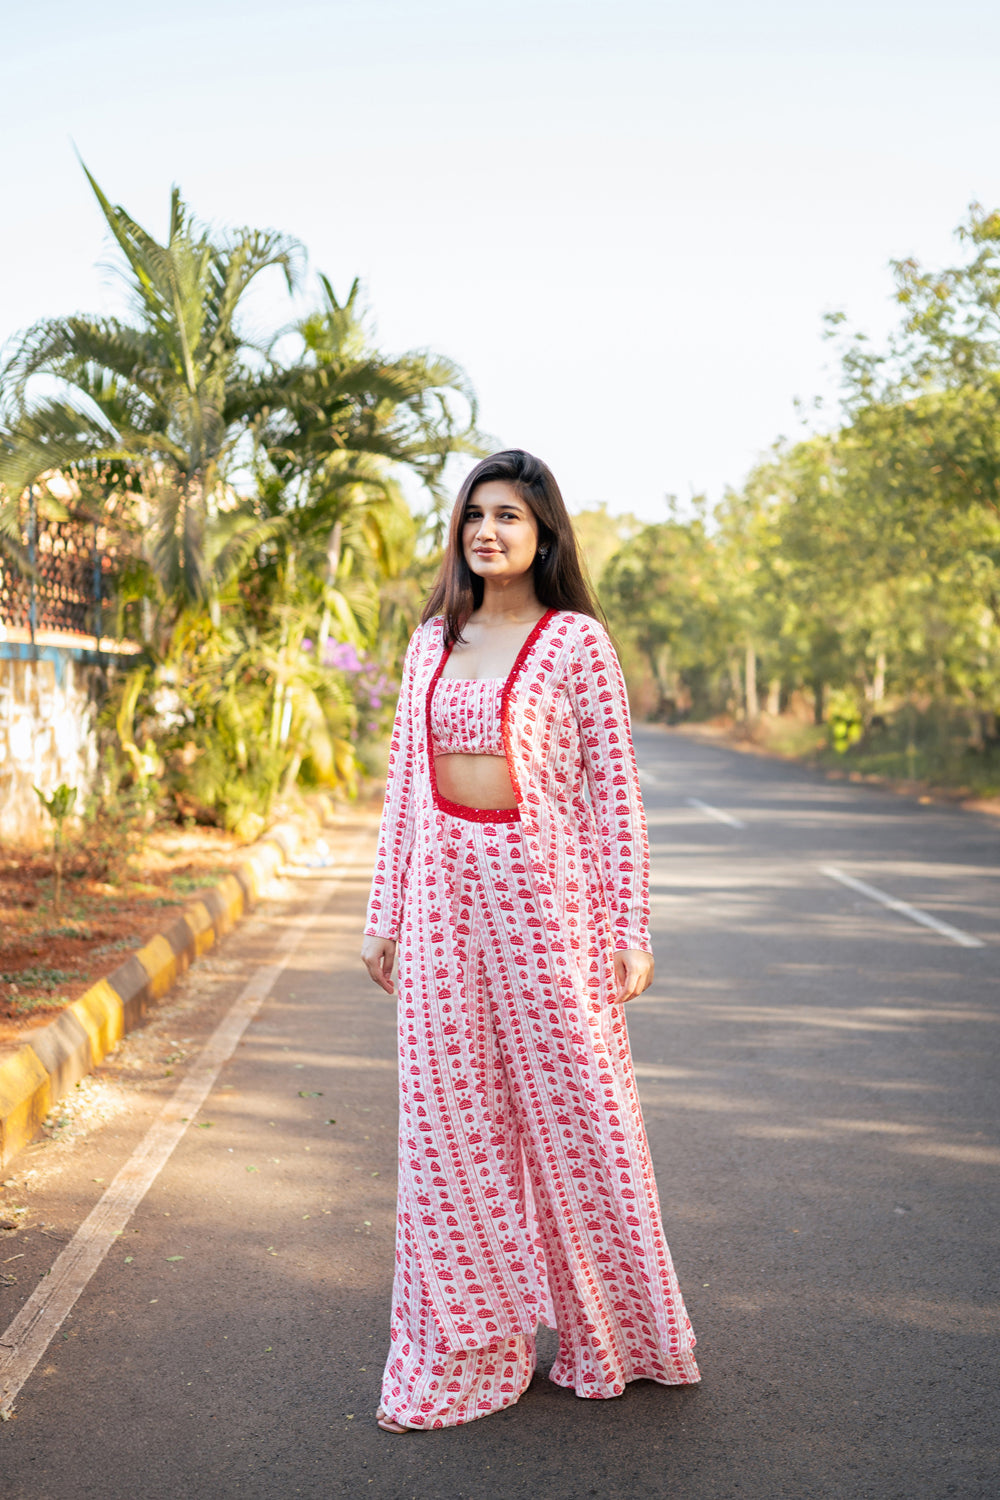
(254, 878)
(101, 1014)
(27, 1092)
(159, 962)
(231, 892)
(199, 921)
(25, 1100)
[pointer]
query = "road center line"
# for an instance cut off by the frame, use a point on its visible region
(913, 913)
(715, 812)
(31, 1332)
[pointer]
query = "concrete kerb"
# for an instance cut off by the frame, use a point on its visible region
(60, 1054)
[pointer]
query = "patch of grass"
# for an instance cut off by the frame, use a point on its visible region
(929, 745)
(22, 1005)
(187, 884)
(37, 977)
(117, 946)
(793, 737)
(976, 774)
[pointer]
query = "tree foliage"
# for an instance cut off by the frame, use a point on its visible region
(856, 570)
(251, 489)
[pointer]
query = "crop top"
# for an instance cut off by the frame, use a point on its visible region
(465, 716)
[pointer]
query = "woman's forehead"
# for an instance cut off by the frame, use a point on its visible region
(497, 492)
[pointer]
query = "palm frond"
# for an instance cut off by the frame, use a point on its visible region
(177, 551)
(71, 348)
(152, 271)
(235, 538)
(12, 548)
(55, 434)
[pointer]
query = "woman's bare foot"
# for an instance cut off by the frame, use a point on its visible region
(387, 1424)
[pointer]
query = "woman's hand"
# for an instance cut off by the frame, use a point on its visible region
(634, 973)
(378, 956)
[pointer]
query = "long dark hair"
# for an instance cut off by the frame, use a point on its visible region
(558, 575)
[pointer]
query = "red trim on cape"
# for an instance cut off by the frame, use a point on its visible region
(457, 809)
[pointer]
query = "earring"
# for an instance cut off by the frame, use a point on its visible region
(543, 551)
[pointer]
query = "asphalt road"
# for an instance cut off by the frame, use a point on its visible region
(819, 1079)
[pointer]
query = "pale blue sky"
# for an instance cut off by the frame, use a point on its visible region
(624, 219)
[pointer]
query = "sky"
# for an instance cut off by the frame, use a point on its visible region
(624, 218)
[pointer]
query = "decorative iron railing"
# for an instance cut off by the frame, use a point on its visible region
(71, 587)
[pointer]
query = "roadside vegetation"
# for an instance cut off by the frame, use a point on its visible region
(49, 957)
(267, 564)
(844, 604)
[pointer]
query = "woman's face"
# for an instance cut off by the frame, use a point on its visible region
(499, 532)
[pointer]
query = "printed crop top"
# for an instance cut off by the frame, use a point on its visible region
(465, 716)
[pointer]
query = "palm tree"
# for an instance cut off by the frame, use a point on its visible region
(343, 419)
(339, 421)
(341, 396)
(167, 393)
(261, 491)
(180, 395)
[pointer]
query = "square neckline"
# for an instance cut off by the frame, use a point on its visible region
(507, 680)
(481, 815)
(469, 679)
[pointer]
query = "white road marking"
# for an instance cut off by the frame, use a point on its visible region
(648, 778)
(31, 1332)
(913, 913)
(715, 812)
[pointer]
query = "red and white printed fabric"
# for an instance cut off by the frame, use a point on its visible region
(526, 1191)
(565, 725)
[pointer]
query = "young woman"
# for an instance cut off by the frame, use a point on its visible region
(512, 872)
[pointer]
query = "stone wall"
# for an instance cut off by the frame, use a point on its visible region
(49, 699)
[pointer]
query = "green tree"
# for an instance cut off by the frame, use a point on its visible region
(256, 483)
(167, 393)
(661, 593)
(599, 535)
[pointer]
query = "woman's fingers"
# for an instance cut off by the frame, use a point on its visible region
(382, 978)
(627, 984)
(378, 956)
(633, 973)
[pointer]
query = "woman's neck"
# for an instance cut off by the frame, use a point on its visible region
(510, 603)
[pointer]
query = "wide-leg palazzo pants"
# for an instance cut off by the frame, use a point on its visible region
(526, 1192)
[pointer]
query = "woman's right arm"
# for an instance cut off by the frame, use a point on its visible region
(396, 834)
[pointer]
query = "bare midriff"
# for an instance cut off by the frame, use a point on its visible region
(479, 781)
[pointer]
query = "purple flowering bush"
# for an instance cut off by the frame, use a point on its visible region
(373, 690)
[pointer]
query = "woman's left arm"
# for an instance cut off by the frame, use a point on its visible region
(601, 703)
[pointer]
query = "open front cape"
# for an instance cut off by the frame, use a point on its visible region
(569, 752)
(573, 1204)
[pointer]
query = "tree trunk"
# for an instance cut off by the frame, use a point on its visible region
(750, 675)
(332, 568)
(291, 774)
(819, 700)
(736, 682)
(878, 681)
(774, 697)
